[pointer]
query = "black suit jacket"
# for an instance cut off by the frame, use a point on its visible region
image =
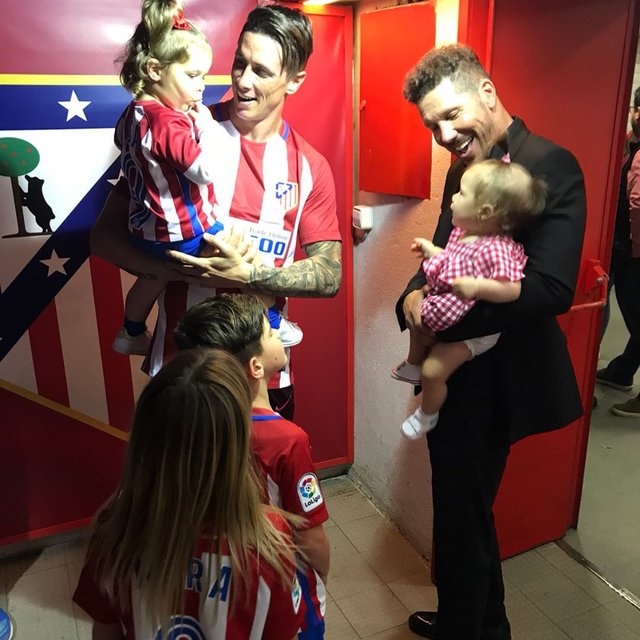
(526, 383)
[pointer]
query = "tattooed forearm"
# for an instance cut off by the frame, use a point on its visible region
(317, 276)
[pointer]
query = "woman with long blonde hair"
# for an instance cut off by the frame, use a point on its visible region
(184, 548)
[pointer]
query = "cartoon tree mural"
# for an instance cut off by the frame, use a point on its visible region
(17, 158)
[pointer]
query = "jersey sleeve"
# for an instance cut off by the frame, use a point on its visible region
(287, 606)
(174, 140)
(299, 486)
(319, 221)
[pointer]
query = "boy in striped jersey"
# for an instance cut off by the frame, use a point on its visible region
(236, 323)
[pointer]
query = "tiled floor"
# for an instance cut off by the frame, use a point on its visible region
(609, 522)
(376, 580)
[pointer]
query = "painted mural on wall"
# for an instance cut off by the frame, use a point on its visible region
(17, 158)
(57, 154)
(61, 98)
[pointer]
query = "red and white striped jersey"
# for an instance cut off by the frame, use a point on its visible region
(280, 192)
(169, 165)
(270, 610)
(283, 453)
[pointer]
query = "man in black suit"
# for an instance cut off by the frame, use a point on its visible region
(525, 384)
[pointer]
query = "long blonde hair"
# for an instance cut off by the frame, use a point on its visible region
(188, 471)
(157, 38)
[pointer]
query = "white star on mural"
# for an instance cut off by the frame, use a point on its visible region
(75, 107)
(55, 263)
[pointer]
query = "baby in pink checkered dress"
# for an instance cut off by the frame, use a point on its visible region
(480, 262)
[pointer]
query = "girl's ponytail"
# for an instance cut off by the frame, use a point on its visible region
(163, 35)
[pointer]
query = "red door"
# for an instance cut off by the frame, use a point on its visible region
(566, 69)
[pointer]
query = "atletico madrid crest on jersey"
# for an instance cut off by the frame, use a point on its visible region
(287, 195)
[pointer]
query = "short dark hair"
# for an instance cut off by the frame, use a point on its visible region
(233, 322)
(290, 28)
(456, 62)
(636, 98)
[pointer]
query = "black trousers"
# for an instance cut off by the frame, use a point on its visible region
(468, 453)
(625, 277)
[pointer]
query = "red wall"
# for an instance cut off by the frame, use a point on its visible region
(65, 398)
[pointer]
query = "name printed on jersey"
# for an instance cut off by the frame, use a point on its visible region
(309, 492)
(272, 241)
(218, 584)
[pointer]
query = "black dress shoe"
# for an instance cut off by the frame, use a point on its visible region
(423, 623)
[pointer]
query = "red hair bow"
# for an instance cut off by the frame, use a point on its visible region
(180, 22)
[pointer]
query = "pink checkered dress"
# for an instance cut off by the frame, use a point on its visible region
(493, 257)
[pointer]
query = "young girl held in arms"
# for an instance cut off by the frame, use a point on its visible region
(184, 548)
(480, 262)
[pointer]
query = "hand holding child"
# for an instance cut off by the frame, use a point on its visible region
(247, 249)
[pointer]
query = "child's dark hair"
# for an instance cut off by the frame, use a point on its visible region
(233, 322)
(163, 35)
(508, 193)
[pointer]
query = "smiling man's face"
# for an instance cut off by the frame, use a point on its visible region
(462, 121)
(260, 84)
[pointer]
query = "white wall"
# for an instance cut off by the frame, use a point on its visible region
(395, 472)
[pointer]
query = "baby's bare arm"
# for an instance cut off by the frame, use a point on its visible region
(424, 247)
(469, 288)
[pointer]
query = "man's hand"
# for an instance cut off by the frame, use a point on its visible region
(465, 287)
(245, 247)
(411, 307)
(225, 266)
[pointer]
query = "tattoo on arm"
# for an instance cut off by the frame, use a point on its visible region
(317, 276)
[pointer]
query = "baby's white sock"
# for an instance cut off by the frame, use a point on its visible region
(419, 423)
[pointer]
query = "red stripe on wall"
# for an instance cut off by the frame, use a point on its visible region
(46, 352)
(55, 471)
(118, 384)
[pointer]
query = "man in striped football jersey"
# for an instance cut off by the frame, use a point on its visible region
(271, 187)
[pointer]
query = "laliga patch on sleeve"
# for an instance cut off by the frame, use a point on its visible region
(309, 492)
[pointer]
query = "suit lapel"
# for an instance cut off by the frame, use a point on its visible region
(517, 133)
